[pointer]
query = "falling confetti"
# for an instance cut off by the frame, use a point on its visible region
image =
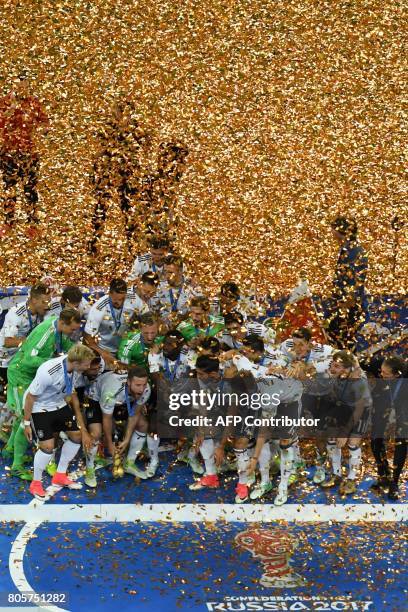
(291, 113)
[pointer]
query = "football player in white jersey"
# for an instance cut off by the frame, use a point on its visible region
(107, 322)
(230, 299)
(111, 393)
(301, 349)
(237, 328)
(175, 292)
(143, 291)
(152, 261)
(253, 349)
(255, 361)
(171, 362)
(208, 378)
(250, 357)
(70, 296)
(171, 359)
(234, 340)
(86, 385)
(136, 394)
(351, 395)
(19, 322)
(306, 358)
(207, 345)
(51, 406)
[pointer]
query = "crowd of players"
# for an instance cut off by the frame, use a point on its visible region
(79, 374)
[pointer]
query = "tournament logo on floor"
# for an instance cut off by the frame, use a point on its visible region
(274, 548)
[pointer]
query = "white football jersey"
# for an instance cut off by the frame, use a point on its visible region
(49, 385)
(257, 369)
(169, 299)
(274, 356)
(18, 323)
(267, 334)
(90, 384)
(110, 391)
(320, 356)
(55, 308)
(173, 370)
(139, 305)
(143, 263)
(108, 324)
(289, 389)
(248, 306)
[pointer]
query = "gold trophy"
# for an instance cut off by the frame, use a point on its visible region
(117, 467)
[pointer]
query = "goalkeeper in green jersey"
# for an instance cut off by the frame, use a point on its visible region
(135, 345)
(49, 339)
(200, 323)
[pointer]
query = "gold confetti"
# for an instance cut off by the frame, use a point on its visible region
(291, 113)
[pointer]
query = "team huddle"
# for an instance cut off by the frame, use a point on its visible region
(93, 376)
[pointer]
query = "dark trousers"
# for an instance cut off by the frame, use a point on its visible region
(343, 326)
(15, 168)
(104, 187)
(379, 448)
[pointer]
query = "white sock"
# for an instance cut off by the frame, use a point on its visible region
(68, 451)
(274, 446)
(136, 444)
(41, 460)
(4, 414)
(320, 459)
(90, 457)
(335, 458)
(264, 459)
(242, 456)
(297, 457)
(354, 461)
(192, 453)
(286, 466)
(207, 453)
(153, 444)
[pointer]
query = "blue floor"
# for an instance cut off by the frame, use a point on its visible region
(173, 566)
(170, 485)
(177, 567)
